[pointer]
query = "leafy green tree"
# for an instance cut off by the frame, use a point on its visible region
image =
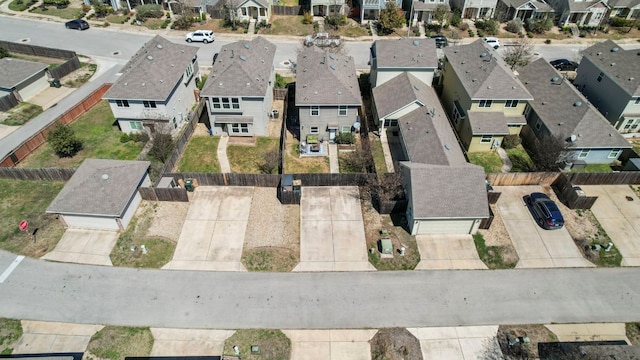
(101, 10)
(391, 18)
(63, 141)
(442, 14)
(4, 52)
(281, 82)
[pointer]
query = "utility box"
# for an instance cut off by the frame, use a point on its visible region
(386, 247)
(188, 184)
(55, 83)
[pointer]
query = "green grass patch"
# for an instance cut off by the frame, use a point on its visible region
(117, 19)
(490, 255)
(68, 13)
(520, 160)
(20, 5)
(272, 344)
(153, 24)
(287, 2)
(245, 159)
(633, 332)
(289, 25)
(200, 155)
(159, 250)
(378, 156)
(28, 200)
(395, 226)
(490, 161)
(116, 343)
(594, 168)
(22, 113)
(351, 30)
(270, 259)
(601, 258)
(101, 139)
(294, 164)
(10, 332)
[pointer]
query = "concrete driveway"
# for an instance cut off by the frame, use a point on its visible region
(84, 247)
(536, 247)
(619, 217)
(463, 343)
(448, 251)
(52, 337)
(188, 342)
(332, 230)
(330, 344)
(212, 236)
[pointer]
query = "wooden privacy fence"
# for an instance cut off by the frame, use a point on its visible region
(35, 50)
(548, 178)
(8, 101)
(36, 140)
(565, 190)
(164, 194)
(289, 10)
(270, 180)
(66, 68)
(280, 94)
(43, 174)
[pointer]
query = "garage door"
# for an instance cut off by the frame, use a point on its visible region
(443, 227)
(34, 88)
(88, 222)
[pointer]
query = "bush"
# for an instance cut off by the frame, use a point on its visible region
(510, 142)
(491, 27)
(480, 33)
(201, 81)
(281, 82)
(620, 22)
(3, 52)
(316, 26)
(566, 28)
(456, 19)
(547, 41)
(464, 26)
(165, 23)
(471, 33)
(100, 9)
(183, 23)
(530, 35)
(307, 18)
(86, 7)
(539, 26)
(336, 20)
(134, 137)
(345, 138)
(514, 26)
(149, 11)
(58, 3)
(583, 34)
(63, 141)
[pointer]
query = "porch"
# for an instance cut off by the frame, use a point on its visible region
(313, 146)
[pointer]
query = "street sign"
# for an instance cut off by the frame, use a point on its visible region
(24, 225)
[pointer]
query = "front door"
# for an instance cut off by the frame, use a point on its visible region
(332, 134)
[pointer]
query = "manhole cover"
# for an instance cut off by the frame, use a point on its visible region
(115, 53)
(25, 40)
(286, 63)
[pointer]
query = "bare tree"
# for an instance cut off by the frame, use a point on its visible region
(442, 14)
(270, 161)
(520, 54)
(550, 153)
(162, 143)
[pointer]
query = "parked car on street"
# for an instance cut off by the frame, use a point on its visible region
(77, 24)
(205, 36)
(564, 65)
(544, 211)
(494, 42)
(441, 41)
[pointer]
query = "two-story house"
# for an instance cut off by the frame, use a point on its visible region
(609, 76)
(370, 9)
(475, 9)
(239, 90)
(560, 111)
(628, 9)
(156, 87)
(483, 97)
(580, 12)
(507, 10)
(327, 94)
(423, 11)
(390, 58)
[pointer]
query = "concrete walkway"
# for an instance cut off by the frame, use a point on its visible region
(223, 160)
(388, 159)
(506, 162)
(334, 165)
(589, 332)
(51, 337)
(188, 342)
(330, 344)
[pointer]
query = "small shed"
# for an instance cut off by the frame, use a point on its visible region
(26, 78)
(632, 165)
(102, 194)
(290, 190)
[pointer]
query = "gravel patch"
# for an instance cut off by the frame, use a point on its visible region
(167, 218)
(271, 223)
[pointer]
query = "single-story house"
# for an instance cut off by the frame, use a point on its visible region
(23, 78)
(327, 7)
(101, 194)
(628, 9)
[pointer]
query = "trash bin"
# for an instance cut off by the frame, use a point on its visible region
(188, 184)
(275, 113)
(55, 83)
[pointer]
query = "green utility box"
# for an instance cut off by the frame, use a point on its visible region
(188, 184)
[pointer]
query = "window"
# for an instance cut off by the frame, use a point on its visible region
(637, 101)
(511, 104)
(583, 153)
(390, 122)
(485, 103)
(614, 153)
(149, 104)
(598, 16)
(314, 130)
(235, 128)
(514, 125)
(215, 102)
(342, 110)
(122, 103)
(538, 124)
(175, 123)
(486, 138)
(600, 77)
(135, 125)
(631, 124)
(346, 129)
(315, 111)
(188, 72)
(235, 103)
(225, 103)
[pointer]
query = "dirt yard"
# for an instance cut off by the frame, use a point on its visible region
(535, 333)
(168, 218)
(498, 236)
(395, 344)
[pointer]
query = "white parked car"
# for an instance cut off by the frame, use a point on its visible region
(205, 36)
(494, 42)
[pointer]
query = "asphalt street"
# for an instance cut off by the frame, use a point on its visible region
(40, 290)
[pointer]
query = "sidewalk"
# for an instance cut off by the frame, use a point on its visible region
(333, 159)
(225, 168)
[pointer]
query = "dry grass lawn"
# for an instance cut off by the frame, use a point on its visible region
(535, 333)
(10, 332)
(272, 344)
(117, 343)
(395, 344)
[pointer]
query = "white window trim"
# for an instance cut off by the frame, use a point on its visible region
(343, 110)
(484, 137)
(314, 130)
(586, 154)
(314, 108)
(611, 153)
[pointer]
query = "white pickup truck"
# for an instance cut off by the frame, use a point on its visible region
(322, 40)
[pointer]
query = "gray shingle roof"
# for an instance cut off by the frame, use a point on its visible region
(153, 71)
(422, 6)
(325, 78)
(492, 123)
(428, 139)
(14, 71)
(88, 193)
(444, 192)
(556, 105)
(583, 5)
(406, 53)
(538, 4)
(625, 72)
(624, 3)
(243, 68)
(484, 77)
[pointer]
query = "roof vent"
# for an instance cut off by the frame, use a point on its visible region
(416, 42)
(161, 81)
(149, 57)
(416, 87)
(332, 67)
(105, 177)
(484, 54)
(572, 138)
(243, 58)
(474, 80)
(577, 103)
(631, 79)
(246, 45)
(554, 79)
(339, 92)
(599, 53)
(612, 64)
(615, 49)
(446, 146)
(159, 46)
(315, 93)
(332, 57)
(220, 84)
(143, 84)
(248, 84)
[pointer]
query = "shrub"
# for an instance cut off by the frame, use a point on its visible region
(201, 81)
(90, 16)
(583, 34)
(168, 16)
(58, 3)
(530, 35)
(480, 33)
(464, 26)
(620, 22)
(479, 24)
(471, 33)
(149, 11)
(165, 23)
(456, 19)
(281, 82)
(203, 17)
(307, 18)
(134, 137)
(3, 52)
(514, 26)
(547, 41)
(86, 7)
(63, 141)
(566, 28)
(183, 23)
(345, 138)
(416, 31)
(100, 9)
(336, 20)
(510, 141)
(539, 26)
(316, 26)
(491, 27)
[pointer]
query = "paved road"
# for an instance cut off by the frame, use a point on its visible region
(39, 290)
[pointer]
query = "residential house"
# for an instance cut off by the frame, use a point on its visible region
(156, 87)
(423, 11)
(101, 194)
(370, 9)
(445, 194)
(482, 96)
(389, 58)
(239, 90)
(327, 96)
(327, 7)
(609, 76)
(23, 78)
(580, 12)
(507, 10)
(247, 10)
(560, 111)
(475, 9)
(628, 9)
